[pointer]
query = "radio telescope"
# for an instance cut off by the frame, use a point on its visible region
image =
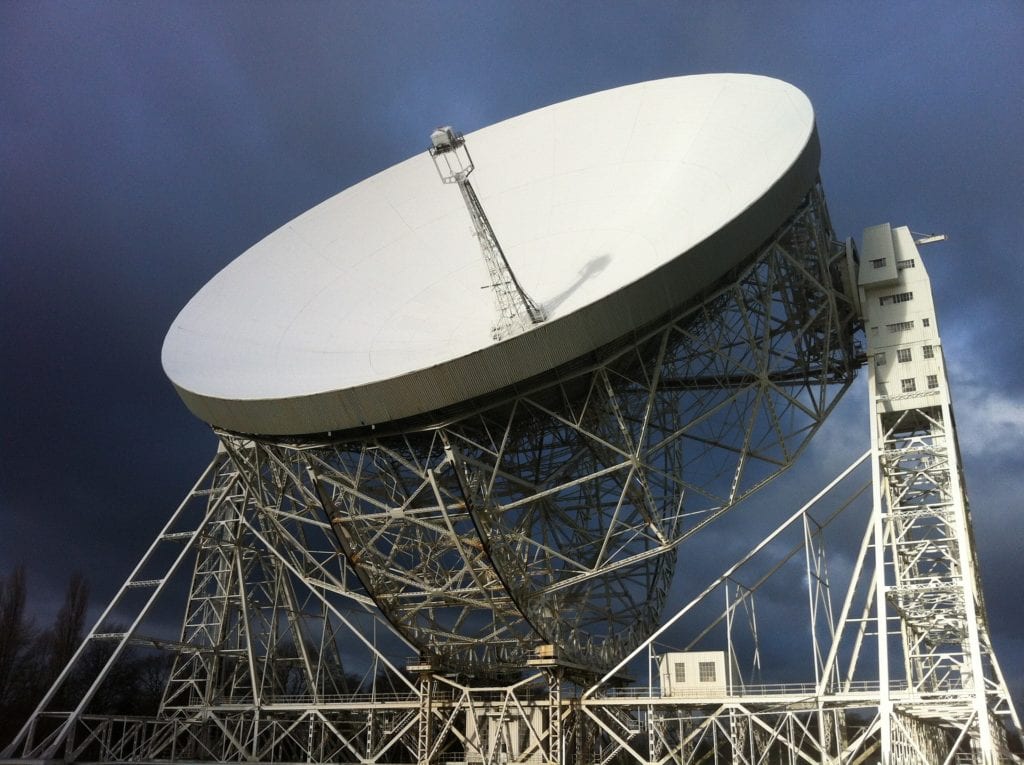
(484, 414)
(498, 486)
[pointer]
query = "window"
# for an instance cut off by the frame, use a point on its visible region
(880, 359)
(908, 385)
(900, 326)
(900, 297)
(933, 382)
(901, 264)
(680, 673)
(707, 671)
(874, 331)
(902, 354)
(878, 263)
(926, 322)
(928, 351)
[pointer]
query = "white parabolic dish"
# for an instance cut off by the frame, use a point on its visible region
(612, 209)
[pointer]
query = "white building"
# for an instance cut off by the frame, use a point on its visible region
(899, 319)
(693, 674)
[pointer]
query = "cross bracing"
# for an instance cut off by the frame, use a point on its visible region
(287, 575)
(552, 517)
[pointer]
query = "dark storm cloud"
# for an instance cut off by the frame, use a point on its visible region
(144, 146)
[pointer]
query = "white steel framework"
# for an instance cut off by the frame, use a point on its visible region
(551, 516)
(282, 657)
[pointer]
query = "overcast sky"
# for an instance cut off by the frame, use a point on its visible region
(143, 146)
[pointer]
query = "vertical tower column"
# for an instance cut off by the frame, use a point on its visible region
(944, 696)
(556, 750)
(424, 729)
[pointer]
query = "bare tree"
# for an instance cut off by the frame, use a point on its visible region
(31, 660)
(19, 662)
(67, 628)
(15, 632)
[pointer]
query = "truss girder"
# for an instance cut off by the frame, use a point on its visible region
(954, 695)
(252, 635)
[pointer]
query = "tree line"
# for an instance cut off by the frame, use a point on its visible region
(32, 657)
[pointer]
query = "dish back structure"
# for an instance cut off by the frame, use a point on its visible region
(552, 515)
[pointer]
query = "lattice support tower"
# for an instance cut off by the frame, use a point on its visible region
(934, 687)
(926, 559)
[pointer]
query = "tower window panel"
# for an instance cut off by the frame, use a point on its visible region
(899, 297)
(908, 385)
(903, 354)
(878, 263)
(933, 381)
(680, 673)
(707, 671)
(928, 351)
(880, 359)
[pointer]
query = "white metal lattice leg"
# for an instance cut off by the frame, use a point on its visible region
(210, 492)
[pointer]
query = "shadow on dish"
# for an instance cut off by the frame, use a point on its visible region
(591, 268)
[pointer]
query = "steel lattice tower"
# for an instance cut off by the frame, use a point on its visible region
(927, 567)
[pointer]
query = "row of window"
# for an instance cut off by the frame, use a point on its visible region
(905, 354)
(705, 670)
(909, 384)
(903, 326)
(900, 264)
(899, 297)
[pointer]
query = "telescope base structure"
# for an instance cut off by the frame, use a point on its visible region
(283, 657)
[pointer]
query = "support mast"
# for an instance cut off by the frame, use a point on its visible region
(930, 608)
(517, 311)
